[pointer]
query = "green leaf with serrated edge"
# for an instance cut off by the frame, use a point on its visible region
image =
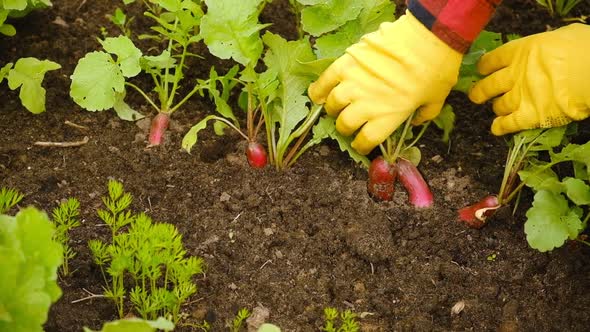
(285, 57)
(4, 71)
(124, 111)
(373, 13)
(550, 221)
(327, 124)
(126, 2)
(230, 29)
(136, 325)
(127, 54)
(538, 177)
(575, 152)
(445, 121)
(96, 81)
(29, 259)
(412, 154)
(577, 191)
(548, 139)
(325, 17)
(28, 74)
(190, 139)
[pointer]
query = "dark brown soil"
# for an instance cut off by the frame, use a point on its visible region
(303, 239)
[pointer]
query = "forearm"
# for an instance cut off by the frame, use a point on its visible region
(456, 22)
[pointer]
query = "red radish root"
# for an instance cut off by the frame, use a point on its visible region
(256, 155)
(381, 179)
(475, 215)
(418, 190)
(159, 125)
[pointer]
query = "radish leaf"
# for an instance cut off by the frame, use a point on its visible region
(230, 29)
(28, 74)
(96, 81)
(551, 221)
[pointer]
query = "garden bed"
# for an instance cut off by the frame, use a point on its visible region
(297, 241)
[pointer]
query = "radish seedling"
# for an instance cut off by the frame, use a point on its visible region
(559, 209)
(27, 74)
(100, 81)
(277, 96)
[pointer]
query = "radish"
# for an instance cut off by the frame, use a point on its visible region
(475, 215)
(158, 128)
(418, 190)
(382, 176)
(256, 155)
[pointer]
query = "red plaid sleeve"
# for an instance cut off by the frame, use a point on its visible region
(456, 22)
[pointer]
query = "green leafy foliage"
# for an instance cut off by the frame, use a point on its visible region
(559, 7)
(98, 78)
(239, 320)
(372, 13)
(149, 254)
(101, 78)
(9, 198)
(65, 218)
(28, 74)
(557, 214)
(230, 29)
(336, 321)
(17, 8)
(560, 206)
(136, 325)
(29, 259)
(276, 96)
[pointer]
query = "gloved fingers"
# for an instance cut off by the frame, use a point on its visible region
(506, 103)
(497, 83)
(427, 113)
(376, 131)
(319, 90)
(340, 97)
(499, 58)
(360, 112)
(521, 119)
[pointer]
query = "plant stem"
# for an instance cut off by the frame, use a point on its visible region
(196, 89)
(177, 70)
(398, 147)
(304, 128)
(230, 124)
(149, 100)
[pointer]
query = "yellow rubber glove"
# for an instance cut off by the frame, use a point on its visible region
(543, 80)
(384, 78)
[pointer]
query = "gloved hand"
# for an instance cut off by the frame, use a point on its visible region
(384, 78)
(543, 80)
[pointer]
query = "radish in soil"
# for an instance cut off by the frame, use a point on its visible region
(522, 147)
(256, 154)
(399, 159)
(159, 125)
(418, 190)
(382, 176)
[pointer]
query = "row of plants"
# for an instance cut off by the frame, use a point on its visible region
(144, 266)
(263, 97)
